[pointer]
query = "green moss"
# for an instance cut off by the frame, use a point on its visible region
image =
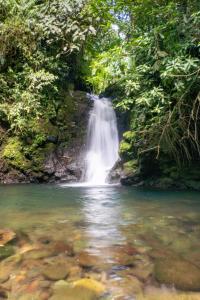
(125, 147)
(13, 153)
(130, 167)
(129, 135)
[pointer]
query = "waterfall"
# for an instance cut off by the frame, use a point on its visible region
(102, 141)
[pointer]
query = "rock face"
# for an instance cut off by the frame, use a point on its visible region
(147, 171)
(65, 164)
(60, 157)
(115, 173)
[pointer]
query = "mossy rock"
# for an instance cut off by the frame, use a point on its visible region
(63, 291)
(13, 153)
(55, 271)
(130, 167)
(177, 272)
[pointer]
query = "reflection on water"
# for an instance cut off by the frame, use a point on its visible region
(102, 211)
(126, 239)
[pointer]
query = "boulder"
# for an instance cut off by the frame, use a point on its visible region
(177, 272)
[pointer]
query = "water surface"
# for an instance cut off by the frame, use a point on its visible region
(121, 227)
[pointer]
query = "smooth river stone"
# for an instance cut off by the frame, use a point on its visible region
(65, 291)
(91, 284)
(87, 260)
(177, 272)
(55, 271)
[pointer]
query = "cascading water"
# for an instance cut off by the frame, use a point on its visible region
(102, 141)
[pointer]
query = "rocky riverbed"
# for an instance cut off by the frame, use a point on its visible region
(55, 248)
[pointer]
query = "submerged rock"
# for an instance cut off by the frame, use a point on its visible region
(55, 271)
(62, 247)
(63, 291)
(91, 284)
(177, 272)
(143, 272)
(37, 253)
(8, 266)
(6, 235)
(86, 260)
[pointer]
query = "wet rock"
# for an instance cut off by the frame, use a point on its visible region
(8, 266)
(6, 235)
(115, 173)
(125, 255)
(143, 272)
(91, 284)
(55, 271)
(63, 291)
(193, 257)
(125, 260)
(62, 247)
(177, 272)
(182, 244)
(75, 272)
(22, 238)
(86, 260)
(37, 253)
(79, 245)
(129, 250)
(5, 272)
(6, 251)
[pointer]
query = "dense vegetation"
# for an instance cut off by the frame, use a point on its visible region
(143, 53)
(40, 47)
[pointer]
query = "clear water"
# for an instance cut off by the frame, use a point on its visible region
(105, 222)
(102, 141)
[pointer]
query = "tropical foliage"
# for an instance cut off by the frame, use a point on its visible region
(40, 50)
(144, 53)
(153, 63)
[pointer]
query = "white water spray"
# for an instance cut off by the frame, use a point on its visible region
(102, 141)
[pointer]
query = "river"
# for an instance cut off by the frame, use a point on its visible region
(116, 235)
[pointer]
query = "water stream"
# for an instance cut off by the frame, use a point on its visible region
(102, 141)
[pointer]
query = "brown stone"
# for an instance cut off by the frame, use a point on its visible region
(55, 271)
(6, 235)
(86, 260)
